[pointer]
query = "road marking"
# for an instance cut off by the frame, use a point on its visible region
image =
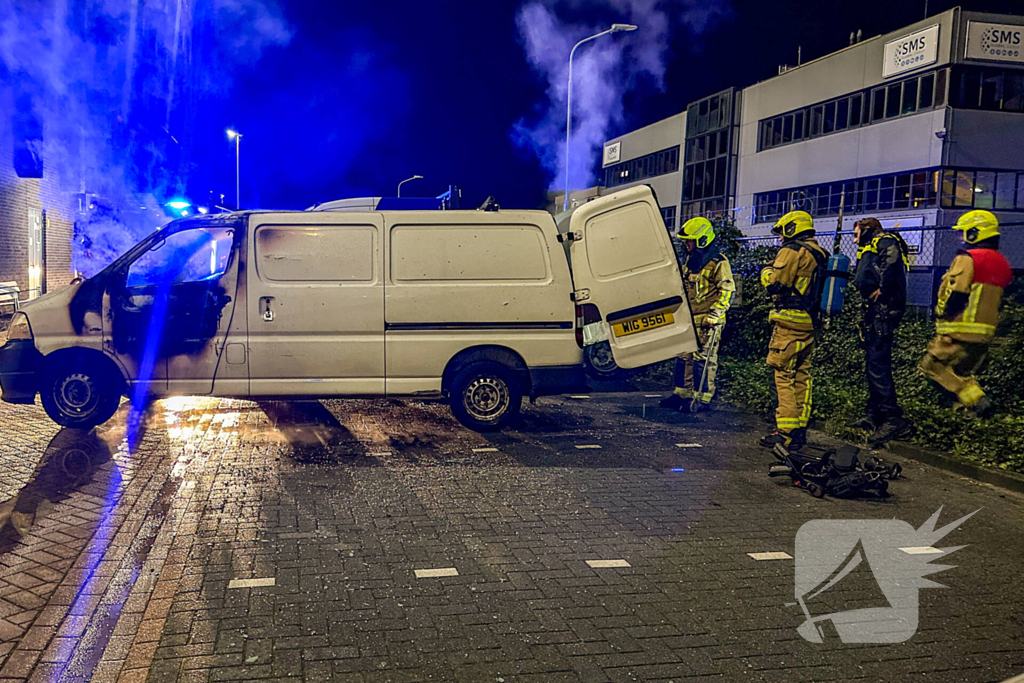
(579, 398)
(688, 445)
(770, 556)
(582, 446)
(607, 564)
(485, 450)
(251, 583)
(921, 550)
(652, 395)
(435, 573)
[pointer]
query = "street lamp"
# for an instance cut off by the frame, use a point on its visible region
(616, 28)
(415, 177)
(237, 137)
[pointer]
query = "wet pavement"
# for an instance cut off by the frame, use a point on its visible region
(602, 540)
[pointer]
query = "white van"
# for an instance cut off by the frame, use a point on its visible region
(479, 307)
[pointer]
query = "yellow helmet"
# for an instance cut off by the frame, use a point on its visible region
(794, 223)
(977, 226)
(699, 229)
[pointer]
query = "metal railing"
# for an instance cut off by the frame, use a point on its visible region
(931, 248)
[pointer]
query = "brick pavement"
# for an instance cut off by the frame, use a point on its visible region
(123, 568)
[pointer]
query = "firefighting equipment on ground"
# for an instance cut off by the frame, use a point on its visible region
(710, 290)
(838, 472)
(968, 311)
(793, 281)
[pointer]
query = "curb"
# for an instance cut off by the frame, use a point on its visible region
(988, 475)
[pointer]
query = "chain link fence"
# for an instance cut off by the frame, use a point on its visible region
(931, 251)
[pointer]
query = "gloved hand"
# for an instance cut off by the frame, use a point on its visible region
(766, 274)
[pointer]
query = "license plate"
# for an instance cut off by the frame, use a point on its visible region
(648, 322)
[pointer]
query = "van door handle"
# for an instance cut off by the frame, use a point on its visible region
(268, 314)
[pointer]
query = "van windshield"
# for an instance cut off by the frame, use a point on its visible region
(195, 255)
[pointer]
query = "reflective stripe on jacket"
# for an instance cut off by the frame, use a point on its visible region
(711, 289)
(790, 281)
(975, 282)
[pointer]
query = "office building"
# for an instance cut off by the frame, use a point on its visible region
(915, 127)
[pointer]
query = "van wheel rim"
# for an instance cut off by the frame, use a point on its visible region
(76, 394)
(486, 399)
(602, 359)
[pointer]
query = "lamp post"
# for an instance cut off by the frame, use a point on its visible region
(415, 177)
(616, 28)
(237, 137)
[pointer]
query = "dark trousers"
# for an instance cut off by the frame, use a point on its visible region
(882, 404)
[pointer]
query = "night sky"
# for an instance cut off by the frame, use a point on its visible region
(366, 94)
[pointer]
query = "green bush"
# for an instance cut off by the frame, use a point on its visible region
(840, 389)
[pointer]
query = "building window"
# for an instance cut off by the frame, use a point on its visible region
(901, 98)
(669, 214)
(915, 189)
(987, 88)
(999, 190)
(641, 168)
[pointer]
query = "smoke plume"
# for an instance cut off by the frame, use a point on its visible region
(603, 70)
(105, 96)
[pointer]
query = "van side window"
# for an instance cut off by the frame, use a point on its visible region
(188, 256)
(315, 253)
(468, 253)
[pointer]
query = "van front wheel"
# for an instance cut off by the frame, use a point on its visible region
(486, 396)
(76, 393)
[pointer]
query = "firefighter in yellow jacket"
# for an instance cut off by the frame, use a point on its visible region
(710, 289)
(792, 282)
(968, 311)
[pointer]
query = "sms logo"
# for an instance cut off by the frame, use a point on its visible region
(1001, 42)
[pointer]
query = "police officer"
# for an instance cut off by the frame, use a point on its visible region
(792, 281)
(968, 311)
(881, 279)
(710, 289)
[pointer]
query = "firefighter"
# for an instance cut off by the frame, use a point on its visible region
(881, 279)
(707, 277)
(968, 311)
(793, 282)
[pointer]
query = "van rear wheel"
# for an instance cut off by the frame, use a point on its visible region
(486, 396)
(77, 393)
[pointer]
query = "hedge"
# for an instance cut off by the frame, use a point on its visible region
(840, 389)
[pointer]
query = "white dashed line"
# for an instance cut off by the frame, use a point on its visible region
(688, 445)
(580, 397)
(582, 446)
(436, 573)
(251, 583)
(921, 550)
(607, 564)
(652, 395)
(485, 450)
(770, 556)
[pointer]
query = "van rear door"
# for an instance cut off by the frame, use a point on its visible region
(623, 262)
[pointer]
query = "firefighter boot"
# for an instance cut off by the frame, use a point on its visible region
(676, 402)
(794, 440)
(892, 429)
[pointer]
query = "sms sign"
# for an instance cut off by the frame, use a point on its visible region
(914, 51)
(995, 42)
